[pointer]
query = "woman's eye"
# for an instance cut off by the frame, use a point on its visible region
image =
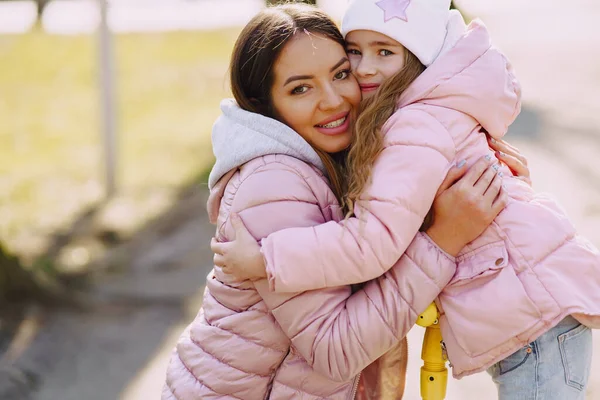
(385, 53)
(354, 52)
(342, 74)
(299, 90)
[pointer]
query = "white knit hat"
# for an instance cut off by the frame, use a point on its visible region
(419, 25)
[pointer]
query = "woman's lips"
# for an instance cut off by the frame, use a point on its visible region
(369, 87)
(335, 125)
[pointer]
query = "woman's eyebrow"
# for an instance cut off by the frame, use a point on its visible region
(297, 78)
(302, 77)
(343, 60)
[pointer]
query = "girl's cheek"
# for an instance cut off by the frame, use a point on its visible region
(354, 61)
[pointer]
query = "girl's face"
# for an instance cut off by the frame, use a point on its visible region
(314, 92)
(374, 57)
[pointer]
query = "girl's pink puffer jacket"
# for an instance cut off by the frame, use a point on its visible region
(522, 276)
(248, 342)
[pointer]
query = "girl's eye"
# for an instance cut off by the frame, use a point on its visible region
(343, 74)
(385, 53)
(354, 52)
(299, 90)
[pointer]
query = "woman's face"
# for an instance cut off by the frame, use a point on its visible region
(314, 92)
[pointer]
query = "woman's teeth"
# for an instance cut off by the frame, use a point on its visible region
(334, 124)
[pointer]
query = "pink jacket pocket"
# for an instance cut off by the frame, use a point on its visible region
(485, 303)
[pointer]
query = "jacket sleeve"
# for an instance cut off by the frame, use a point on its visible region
(337, 332)
(405, 178)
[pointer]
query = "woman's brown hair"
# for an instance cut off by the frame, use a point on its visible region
(255, 53)
(368, 140)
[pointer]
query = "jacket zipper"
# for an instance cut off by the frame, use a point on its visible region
(355, 387)
(357, 379)
(405, 366)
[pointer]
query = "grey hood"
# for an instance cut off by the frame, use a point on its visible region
(239, 136)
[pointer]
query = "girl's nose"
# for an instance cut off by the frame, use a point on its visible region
(365, 68)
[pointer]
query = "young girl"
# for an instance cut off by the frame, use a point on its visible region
(523, 287)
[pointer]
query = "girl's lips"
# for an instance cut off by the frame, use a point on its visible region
(338, 129)
(369, 87)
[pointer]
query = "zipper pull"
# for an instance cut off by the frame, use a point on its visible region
(444, 351)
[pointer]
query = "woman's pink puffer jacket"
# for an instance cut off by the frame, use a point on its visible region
(248, 342)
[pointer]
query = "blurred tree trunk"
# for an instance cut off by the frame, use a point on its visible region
(41, 6)
(273, 2)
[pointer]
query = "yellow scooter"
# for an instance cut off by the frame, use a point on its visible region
(434, 374)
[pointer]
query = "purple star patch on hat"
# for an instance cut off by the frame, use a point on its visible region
(394, 9)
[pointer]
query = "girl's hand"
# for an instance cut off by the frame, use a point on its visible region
(466, 204)
(513, 159)
(241, 257)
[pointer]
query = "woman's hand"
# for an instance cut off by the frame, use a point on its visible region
(513, 159)
(241, 257)
(466, 204)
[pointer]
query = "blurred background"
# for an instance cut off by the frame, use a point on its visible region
(105, 118)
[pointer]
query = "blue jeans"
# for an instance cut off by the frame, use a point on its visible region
(554, 367)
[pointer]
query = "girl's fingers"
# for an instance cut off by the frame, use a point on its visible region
(217, 247)
(239, 227)
(219, 260)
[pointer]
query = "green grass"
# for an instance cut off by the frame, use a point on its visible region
(168, 89)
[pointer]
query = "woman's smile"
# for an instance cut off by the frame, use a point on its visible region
(335, 125)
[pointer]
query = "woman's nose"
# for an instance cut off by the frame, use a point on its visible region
(332, 99)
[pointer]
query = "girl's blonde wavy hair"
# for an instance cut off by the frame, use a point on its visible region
(368, 139)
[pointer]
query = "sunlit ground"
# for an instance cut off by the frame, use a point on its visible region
(51, 166)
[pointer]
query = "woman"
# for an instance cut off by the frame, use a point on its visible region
(295, 104)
